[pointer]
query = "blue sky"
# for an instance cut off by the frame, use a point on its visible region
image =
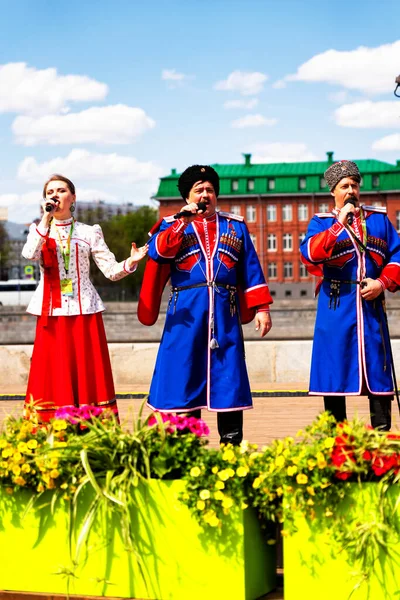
(115, 94)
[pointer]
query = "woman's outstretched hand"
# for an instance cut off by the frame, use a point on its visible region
(136, 254)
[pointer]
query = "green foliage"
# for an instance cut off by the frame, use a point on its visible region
(312, 476)
(4, 249)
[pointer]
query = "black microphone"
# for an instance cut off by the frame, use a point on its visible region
(49, 207)
(185, 213)
(350, 200)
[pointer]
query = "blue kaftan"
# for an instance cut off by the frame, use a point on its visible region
(351, 343)
(189, 374)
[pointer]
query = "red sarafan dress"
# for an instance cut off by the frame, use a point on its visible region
(70, 361)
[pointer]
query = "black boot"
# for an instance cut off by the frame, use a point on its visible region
(336, 406)
(230, 427)
(381, 412)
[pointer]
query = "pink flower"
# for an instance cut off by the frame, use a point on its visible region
(74, 414)
(182, 422)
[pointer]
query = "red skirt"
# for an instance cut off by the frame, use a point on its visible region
(70, 366)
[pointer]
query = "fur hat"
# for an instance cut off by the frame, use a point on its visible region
(197, 173)
(339, 170)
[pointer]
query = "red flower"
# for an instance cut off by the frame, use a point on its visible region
(343, 475)
(340, 453)
(367, 455)
(382, 464)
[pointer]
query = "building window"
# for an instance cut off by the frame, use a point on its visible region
(322, 183)
(251, 214)
(272, 270)
(324, 208)
(398, 220)
(250, 185)
(287, 242)
(288, 293)
(303, 271)
(301, 237)
(287, 212)
(253, 238)
(235, 185)
(271, 184)
(235, 209)
(271, 212)
(303, 293)
(375, 180)
(271, 242)
(287, 270)
(302, 183)
(303, 212)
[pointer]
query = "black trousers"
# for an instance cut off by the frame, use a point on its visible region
(230, 426)
(380, 408)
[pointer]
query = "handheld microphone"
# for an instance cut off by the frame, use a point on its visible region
(350, 217)
(185, 213)
(49, 207)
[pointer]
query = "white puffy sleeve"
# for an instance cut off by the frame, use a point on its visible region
(105, 259)
(36, 238)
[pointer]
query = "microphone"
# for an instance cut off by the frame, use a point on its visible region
(49, 207)
(185, 213)
(350, 217)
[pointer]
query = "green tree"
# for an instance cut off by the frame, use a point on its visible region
(4, 251)
(119, 232)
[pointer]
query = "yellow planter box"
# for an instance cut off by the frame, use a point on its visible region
(315, 570)
(172, 558)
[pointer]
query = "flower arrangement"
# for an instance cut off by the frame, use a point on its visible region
(310, 474)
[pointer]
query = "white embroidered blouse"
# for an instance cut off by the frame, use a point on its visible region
(86, 240)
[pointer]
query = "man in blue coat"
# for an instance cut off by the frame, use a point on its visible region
(212, 264)
(356, 252)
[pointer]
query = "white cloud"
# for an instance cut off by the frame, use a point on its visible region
(172, 75)
(22, 208)
(117, 124)
(25, 207)
(26, 90)
(247, 84)
(89, 194)
(253, 121)
(339, 97)
(389, 142)
(369, 70)
(82, 165)
(248, 104)
(281, 152)
(367, 114)
(279, 85)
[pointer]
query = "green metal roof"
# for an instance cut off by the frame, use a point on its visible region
(286, 176)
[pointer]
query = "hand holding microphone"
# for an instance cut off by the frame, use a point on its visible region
(348, 215)
(188, 212)
(49, 206)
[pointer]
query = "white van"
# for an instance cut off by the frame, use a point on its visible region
(17, 292)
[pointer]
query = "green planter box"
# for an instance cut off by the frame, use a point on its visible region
(177, 560)
(313, 568)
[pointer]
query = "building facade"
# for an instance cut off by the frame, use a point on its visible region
(100, 210)
(278, 201)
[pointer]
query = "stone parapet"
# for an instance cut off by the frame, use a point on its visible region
(292, 320)
(278, 362)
